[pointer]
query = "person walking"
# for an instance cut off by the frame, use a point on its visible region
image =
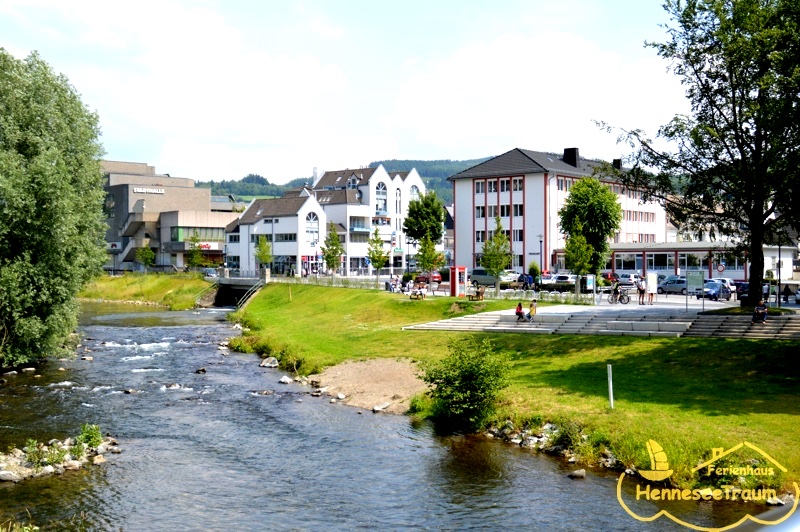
(641, 287)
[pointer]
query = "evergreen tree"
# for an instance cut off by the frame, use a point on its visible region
(52, 225)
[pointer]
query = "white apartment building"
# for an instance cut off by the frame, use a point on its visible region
(526, 189)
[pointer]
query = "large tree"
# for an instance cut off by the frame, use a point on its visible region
(263, 252)
(332, 249)
(731, 166)
(592, 211)
(51, 198)
(425, 218)
(496, 252)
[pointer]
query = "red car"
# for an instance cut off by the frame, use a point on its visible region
(610, 276)
(436, 277)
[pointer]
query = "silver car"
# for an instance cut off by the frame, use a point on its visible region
(672, 286)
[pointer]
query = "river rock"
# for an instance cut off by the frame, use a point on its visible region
(28, 370)
(380, 407)
(285, 380)
(340, 396)
(88, 359)
(774, 501)
(269, 362)
(72, 465)
(10, 373)
(99, 459)
(333, 400)
(578, 473)
(200, 371)
(10, 476)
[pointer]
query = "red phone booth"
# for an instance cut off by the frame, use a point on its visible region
(458, 281)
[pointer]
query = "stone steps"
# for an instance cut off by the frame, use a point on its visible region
(620, 324)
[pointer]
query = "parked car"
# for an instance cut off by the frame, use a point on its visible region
(727, 281)
(629, 279)
(480, 277)
(676, 285)
(610, 276)
(547, 278)
(566, 278)
(210, 272)
(715, 290)
(435, 277)
(797, 297)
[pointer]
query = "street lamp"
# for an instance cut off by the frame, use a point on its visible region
(541, 263)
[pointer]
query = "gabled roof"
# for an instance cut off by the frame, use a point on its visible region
(271, 208)
(347, 196)
(520, 162)
(339, 178)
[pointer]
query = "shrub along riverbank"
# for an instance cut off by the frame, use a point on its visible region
(689, 395)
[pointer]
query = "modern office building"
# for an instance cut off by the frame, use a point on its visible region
(167, 214)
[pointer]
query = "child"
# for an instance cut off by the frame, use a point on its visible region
(531, 310)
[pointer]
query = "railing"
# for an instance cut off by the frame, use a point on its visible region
(253, 289)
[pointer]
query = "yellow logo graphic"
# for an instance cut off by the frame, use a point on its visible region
(660, 470)
(659, 466)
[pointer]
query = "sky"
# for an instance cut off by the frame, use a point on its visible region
(215, 90)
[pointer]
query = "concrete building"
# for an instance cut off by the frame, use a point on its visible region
(526, 189)
(145, 209)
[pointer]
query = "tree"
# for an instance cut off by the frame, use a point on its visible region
(496, 254)
(592, 211)
(52, 225)
(194, 257)
(332, 249)
(731, 167)
(146, 257)
(375, 252)
(578, 256)
(263, 251)
(428, 258)
(425, 218)
(465, 385)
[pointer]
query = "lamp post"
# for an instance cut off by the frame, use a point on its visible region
(541, 262)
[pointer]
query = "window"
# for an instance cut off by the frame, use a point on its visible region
(491, 186)
(286, 237)
(492, 213)
(205, 234)
(380, 198)
(517, 183)
(505, 210)
(479, 187)
(312, 227)
(232, 261)
(505, 185)
(233, 239)
(518, 211)
(108, 206)
(480, 236)
(480, 212)
(517, 235)
(254, 238)
(414, 192)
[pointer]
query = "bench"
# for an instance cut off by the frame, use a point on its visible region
(478, 295)
(418, 293)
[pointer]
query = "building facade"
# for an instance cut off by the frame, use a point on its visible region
(526, 189)
(166, 214)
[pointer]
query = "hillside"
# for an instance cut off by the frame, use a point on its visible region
(434, 174)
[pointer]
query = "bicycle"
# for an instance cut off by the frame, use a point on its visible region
(623, 297)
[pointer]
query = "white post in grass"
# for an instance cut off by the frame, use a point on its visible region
(610, 388)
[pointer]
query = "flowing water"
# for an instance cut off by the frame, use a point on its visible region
(207, 451)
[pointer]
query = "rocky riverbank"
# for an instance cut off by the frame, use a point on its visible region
(54, 458)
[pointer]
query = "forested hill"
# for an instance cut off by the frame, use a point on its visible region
(433, 173)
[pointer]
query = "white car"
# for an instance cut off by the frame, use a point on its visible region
(729, 283)
(629, 279)
(508, 276)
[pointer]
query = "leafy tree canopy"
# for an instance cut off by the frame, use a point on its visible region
(263, 251)
(52, 226)
(425, 218)
(428, 258)
(377, 256)
(592, 211)
(732, 164)
(332, 249)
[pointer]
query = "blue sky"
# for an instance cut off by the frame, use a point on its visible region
(217, 90)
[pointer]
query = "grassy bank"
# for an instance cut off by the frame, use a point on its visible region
(690, 395)
(177, 291)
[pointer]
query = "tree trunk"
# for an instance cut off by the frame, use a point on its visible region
(756, 276)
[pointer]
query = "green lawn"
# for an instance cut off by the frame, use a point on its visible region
(687, 394)
(178, 291)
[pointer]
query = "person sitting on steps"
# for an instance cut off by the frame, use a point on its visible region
(520, 314)
(759, 314)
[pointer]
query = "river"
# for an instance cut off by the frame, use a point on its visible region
(206, 451)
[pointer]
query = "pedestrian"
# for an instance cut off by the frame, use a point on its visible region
(519, 313)
(759, 314)
(615, 292)
(642, 288)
